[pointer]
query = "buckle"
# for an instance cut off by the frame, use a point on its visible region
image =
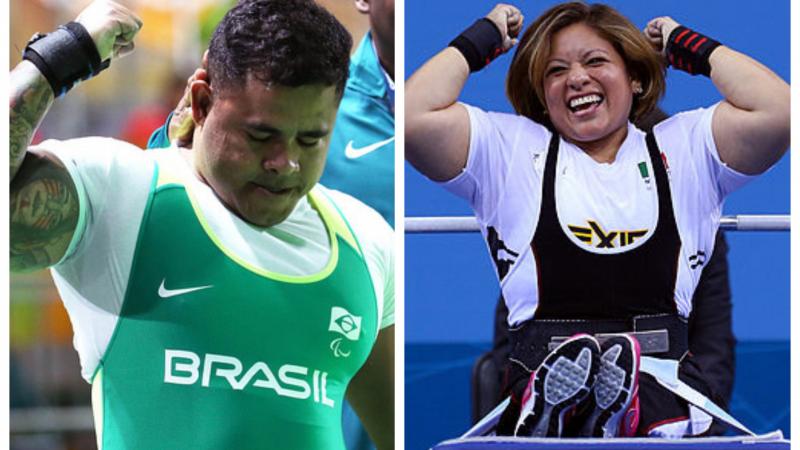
(650, 342)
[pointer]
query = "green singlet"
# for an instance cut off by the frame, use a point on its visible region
(212, 353)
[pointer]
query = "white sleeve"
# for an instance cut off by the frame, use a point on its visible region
(113, 180)
(694, 129)
(105, 172)
(376, 239)
(493, 141)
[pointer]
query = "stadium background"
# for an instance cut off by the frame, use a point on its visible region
(450, 285)
(48, 398)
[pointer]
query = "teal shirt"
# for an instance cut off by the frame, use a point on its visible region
(361, 153)
(159, 138)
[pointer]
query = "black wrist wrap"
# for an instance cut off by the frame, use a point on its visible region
(65, 56)
(689, 51)
(480, 44)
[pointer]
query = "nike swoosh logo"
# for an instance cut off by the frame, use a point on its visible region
(163, 292)
(353, 152)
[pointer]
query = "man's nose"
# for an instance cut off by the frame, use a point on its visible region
(281, 159)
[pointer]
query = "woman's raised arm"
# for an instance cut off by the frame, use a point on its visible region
(437, 128)
(752, 125)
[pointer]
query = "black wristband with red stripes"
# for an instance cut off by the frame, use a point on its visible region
(689, 51)
(480, 44)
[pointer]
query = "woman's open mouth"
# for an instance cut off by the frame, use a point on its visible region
(585, 104)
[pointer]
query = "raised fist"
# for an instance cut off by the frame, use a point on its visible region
(111, 26)
(658, 30)
(508, 20)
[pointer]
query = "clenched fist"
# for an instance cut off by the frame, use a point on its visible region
(658, 30)
(111, 26)
(508, 20)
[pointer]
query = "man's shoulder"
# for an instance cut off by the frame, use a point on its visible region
(88, 144)
(348, 205)
(374, 236)
(101, 157)
(358, 214)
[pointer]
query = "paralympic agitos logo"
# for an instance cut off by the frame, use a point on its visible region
(346, 324)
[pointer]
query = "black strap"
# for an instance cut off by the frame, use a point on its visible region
(530, 341)
(480, 44)
(549, 179)
(65, 56)
(666, 215)
(689, 51)
(86, 42)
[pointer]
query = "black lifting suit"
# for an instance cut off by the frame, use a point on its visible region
(581, 291)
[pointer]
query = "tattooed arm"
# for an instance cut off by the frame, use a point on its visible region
(44, 212)
(31, 97)
(44, 206)
(44, 199)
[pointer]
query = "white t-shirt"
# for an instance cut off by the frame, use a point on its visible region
(113, 180)
(503, 183)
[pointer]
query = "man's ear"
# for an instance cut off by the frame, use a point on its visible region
(362, 6)
(202, 98)
(204, 64)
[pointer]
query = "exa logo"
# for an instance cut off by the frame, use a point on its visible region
(605, 239)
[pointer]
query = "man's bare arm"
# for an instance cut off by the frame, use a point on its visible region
(112, 28)
(30, 98)
(44, 212)
(44, 203)
(371, 392)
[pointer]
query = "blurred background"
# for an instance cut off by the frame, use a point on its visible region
(50, 402)
(450, 285)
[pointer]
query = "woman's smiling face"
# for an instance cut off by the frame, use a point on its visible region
(587, 89)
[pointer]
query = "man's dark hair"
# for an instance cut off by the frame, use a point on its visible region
(279, 42)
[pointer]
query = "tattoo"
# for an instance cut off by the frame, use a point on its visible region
(30, 98)
(44, 213)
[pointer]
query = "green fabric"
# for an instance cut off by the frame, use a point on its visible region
(282, 333)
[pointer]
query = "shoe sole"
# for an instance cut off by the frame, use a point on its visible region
(563, 380)
(614, 388)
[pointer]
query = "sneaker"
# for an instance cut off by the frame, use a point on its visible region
(615, 403)
(561, 381)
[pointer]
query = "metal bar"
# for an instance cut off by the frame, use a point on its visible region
(51, 420)
(778, 222)
(441, 224)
